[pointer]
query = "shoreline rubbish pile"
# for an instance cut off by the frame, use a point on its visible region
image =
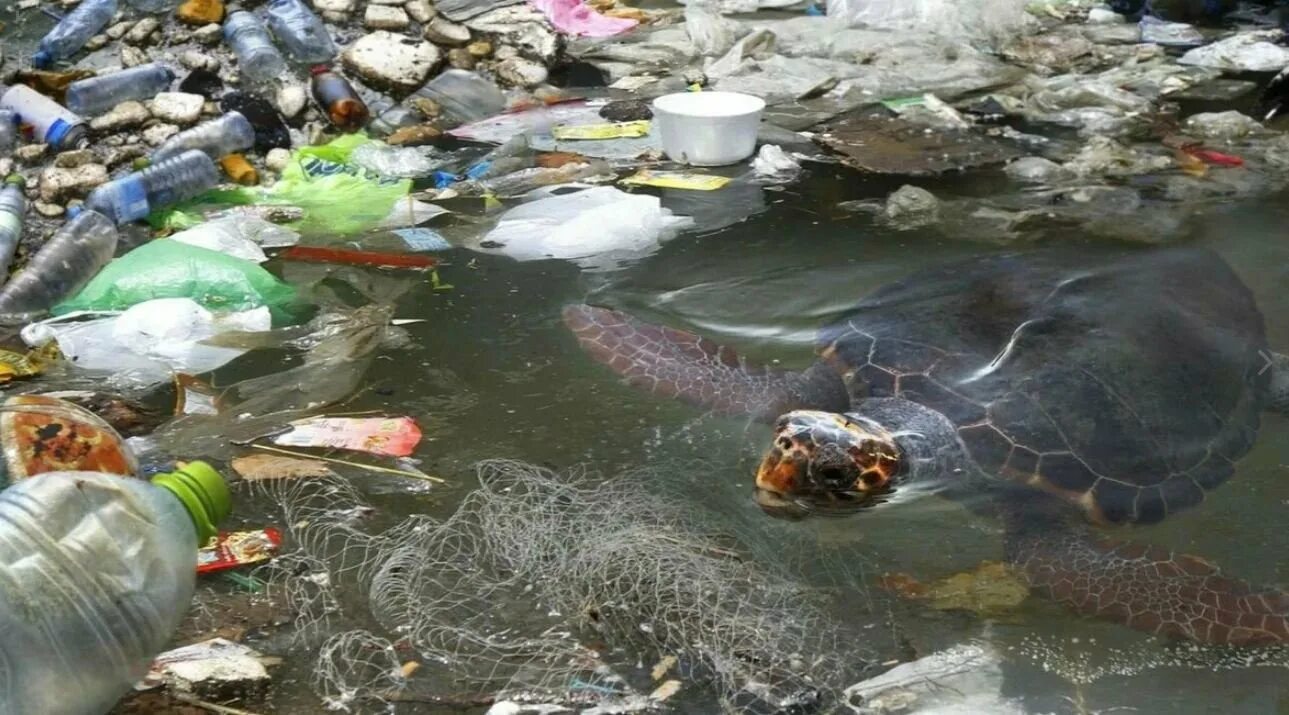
(164, 161)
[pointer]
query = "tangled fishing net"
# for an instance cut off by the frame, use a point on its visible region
(560, 589)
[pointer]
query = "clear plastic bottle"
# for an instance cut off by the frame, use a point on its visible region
(257, 58)
(134, 196)
(8, 128)
(153, 6)
(301, 32)
(73, 31)
(93, 96)
(462, 97)
(67, 261)
(337, 98)
(99, 570)
(51, 122)
(12, 207)
(217, 138)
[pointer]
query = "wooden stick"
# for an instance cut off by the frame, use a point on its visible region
(360, 465)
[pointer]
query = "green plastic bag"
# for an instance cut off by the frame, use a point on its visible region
(337, 197)
(171, 269)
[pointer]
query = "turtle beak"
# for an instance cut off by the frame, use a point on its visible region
(778, 476)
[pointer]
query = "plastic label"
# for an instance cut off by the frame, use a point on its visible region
(422, 239)
(238, 548)
(616, 130)
(388, 436)
(677, 180)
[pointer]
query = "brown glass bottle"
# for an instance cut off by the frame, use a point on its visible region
(337, 98)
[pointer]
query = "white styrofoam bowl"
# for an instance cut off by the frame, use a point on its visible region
(708, 128)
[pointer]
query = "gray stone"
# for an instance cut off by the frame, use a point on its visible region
(125, 154)
(520, 72)
(124, 116)
(158, 133)
(911, 207)
(460, 58)
(177, 107)
(197, 60)
(61, 184)
(96, 42)
(442, 31)
(386, 17)
(133, 56)
(74, 158)
(118, 30)
(290, 99)
(391, 61)
(6, 166)
(420, 10)
(48, 210)
(31, 153)
(142, 31)
(340, 6)
(277, 160)
(506, 52)
(211, 34)
(336, 18)
(523, 27)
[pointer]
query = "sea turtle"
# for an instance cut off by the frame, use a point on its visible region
(1119, 388)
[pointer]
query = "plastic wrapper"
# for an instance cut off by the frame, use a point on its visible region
(963, 679)
(711, 34)
(573, 17)
(235, 549)
(242, 237)
(398, 162)
(1247, 52)
(978, 19)
(386, 436)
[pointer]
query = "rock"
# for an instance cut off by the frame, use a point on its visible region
(73, 159)
(31, 153)
(506, 52)
(414, 136)
(96, 42)
(157, 134)
(385, 17)
(142, 31)
(420, 10)
(6, 166)
(521, 26)
(197, 60)
(337, 18)
(911, 207)
(391, 61)
(460, 58)
(290, 99)
(177, 107)
(121, 155)
(216, 669)
(123, 116)
(520, 72)
(133, 56)
(211, 34)
(48, 210)
(117, 31)
(627, 110)
(479, 48)
(277, 160)
(442, 31)
(338, 6)
(385, 2)
(57, 185)
(201, 12)
(1103, 16)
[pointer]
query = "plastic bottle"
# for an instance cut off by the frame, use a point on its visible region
(134, 196)
(8, 129)
(73, 31)
(301, 32)
(462, 97)
(337, 98)
(217, 138)
(12, 207)
(153, 6)
(257, 58)
(51, 122)
(67, 261)
(93, 96)
(99, 571)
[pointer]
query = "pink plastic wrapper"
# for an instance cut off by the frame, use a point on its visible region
(572, 17)
(388, 436)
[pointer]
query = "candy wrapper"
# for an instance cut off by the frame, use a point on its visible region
(232, 550)
(388, 436)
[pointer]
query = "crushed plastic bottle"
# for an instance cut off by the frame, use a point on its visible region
(96, 95)
(51, 123)
(67, 261)
(301, 32)
(73, 31)
(8, 129)
(134, 196)
(217, 138)
(99, 570)
(337, 98)
(460, 96)
(257, 58)
(12, 207)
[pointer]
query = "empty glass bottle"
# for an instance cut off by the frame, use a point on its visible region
(134, 196)
(257, 58)
(73, 31)
(300, 31)
(337, 98)
(96, 95)
(217, 138)
(51, 123)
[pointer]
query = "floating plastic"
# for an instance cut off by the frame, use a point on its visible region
(73, 31)
(386, 436)
(134, 196)
(96, 95)
(65, 263)
(300, 31)
(257, 58)
(217, 138)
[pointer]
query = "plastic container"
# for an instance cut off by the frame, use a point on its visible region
(462, 97)
(337, 98)
(73, 31)
(153, 6)
(99, 570)
(12, 207)
(257, 58)
(300, 32)
(51, 123)
(67, 261)
(8, 128)
(40, 434)
(708, 128)
(217, 138)
(96, 95)
(134, 196)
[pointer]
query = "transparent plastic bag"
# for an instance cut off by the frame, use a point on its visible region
(969, 19)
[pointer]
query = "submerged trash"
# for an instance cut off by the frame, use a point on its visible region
(216, 668)
(12, 207)
(237, 549)
(881, 144)
(386, 436)
(966, 678)
(216, 139)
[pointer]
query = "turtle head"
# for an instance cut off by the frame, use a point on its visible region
(825, 463)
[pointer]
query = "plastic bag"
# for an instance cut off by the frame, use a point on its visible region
(976, 19)
(170, 269)
(244, 237)
(711, 34)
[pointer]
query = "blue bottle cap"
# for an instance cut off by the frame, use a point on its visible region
(41, 59)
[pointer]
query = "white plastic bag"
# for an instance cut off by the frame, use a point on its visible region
(711, 34)
(241, 236)
(968, 19)
(595, 228)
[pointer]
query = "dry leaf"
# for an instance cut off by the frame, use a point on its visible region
(264, 467)
(664, 665)
(664, 691)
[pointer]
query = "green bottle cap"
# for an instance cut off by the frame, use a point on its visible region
(203, 493)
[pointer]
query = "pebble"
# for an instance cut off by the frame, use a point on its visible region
(460, 58)
(277, 160)
(31, 153)
(118, 30)
(506, 52)
(124, 154)
(201, 12)
(385, 2)
(442, 31)
(290, 99)
(386, 17)
(48, 210)
(479, 48)
(177, 107)
(339, 6)
(420, 10)
(61, 184)
(96, 42)
(158, 133)
(132, 56)
(1103, 16)
(142, 31)
(196, 60)
(73, 159)
(28, 4)
(6, 166)
(123, 116)
(335, 17)
(520, 72)
(391, 61)
(211, 34)
(414, 136)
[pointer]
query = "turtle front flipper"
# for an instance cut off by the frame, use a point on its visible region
(1146, 587)
(673, 363)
